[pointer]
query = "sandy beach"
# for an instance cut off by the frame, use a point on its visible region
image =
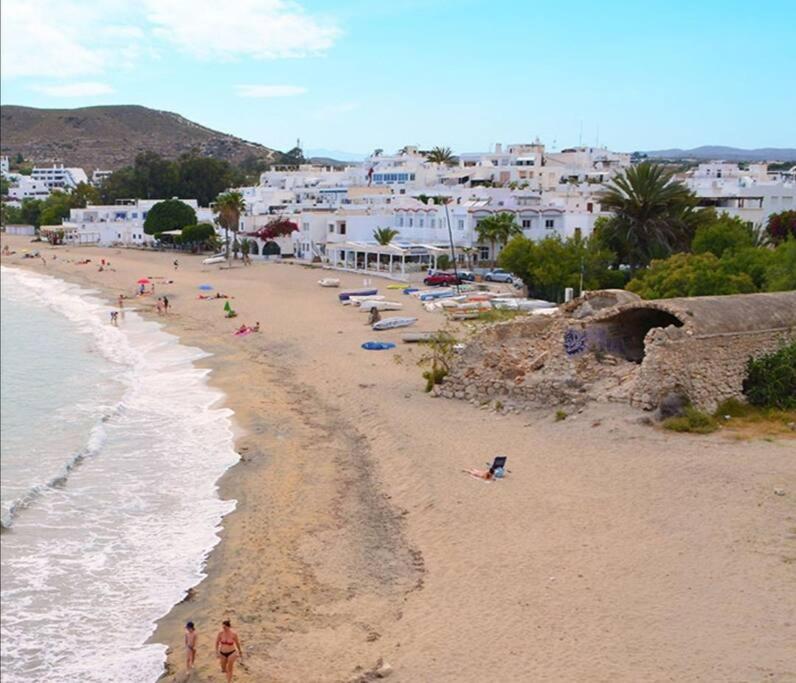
(611, 552)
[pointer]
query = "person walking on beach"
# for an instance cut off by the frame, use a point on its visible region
(228, 649)
(190, 645)
(159, 306)
(176, 264)
(165, 305)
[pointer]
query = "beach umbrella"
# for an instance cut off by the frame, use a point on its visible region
(205, 288)
(144, 281)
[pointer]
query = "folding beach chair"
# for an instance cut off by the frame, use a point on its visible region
(498, 463)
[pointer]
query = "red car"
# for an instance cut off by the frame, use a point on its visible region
(442, 279)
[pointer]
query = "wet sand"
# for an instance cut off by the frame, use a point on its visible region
(611, 552)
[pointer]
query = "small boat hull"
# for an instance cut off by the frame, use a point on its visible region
(329, 282)
(345, 296)
(392, 323)
(366, 306)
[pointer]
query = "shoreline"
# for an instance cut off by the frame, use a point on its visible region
(356, 538)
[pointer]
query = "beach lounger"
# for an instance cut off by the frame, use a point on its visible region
(498, 463)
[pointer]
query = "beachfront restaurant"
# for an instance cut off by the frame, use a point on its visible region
(391, 259)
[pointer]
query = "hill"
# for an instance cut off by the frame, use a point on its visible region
(716, 153)
(109, 137)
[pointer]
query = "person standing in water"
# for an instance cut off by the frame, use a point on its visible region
(190, 645)
(228, 649)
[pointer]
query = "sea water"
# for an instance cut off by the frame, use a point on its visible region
(110, 449)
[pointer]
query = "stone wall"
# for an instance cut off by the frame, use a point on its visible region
(708, 369)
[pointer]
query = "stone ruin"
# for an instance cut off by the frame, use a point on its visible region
(610, 345)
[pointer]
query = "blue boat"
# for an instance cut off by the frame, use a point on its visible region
(344, 296)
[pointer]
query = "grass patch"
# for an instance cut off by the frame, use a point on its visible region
(692, 421)
(561, 415)
(497, 315)
(749, 422)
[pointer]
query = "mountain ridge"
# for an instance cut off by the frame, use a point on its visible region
(110, 136)
(723, 153)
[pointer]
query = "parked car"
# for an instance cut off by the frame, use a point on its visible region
(499, 275)
(467, 275)
(441, 279)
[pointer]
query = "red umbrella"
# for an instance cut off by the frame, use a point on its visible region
(144, 281)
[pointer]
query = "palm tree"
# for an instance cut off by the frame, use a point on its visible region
(229, 206)
(441, 155)
(497, 229)
(384, 235)
(654, 215)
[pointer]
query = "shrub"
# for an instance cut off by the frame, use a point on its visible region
(171, 214)
(771, 379)
(732, 407)
(434, 376)
(560, 415)
(693, 421)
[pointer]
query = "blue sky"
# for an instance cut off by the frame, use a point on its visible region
(354, 75)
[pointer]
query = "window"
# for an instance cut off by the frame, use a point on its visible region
(483, 253)
(331, 227)
(460, 224)
(400, 221)
(549, 223)
(589, 207)
(421, 222)
(411, 222)
(433, 222)
(526, 223)
(342, 227)
(305, 227)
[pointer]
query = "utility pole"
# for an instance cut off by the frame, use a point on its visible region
(453, 250)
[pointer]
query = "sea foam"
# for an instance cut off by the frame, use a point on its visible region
(111, 534)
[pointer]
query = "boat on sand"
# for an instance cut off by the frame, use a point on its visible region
(345, 296)
(367, 306)
(329, 282)
(392, 323)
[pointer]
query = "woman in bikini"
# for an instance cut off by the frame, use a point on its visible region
(228, 649)
(190, 645)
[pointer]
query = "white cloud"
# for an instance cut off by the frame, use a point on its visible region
(262, 29)
(269, 90)
(43, 38)
(67, 39)
(84, 89)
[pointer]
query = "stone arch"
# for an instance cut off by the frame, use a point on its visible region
(622, 334)
(254, 248)
(271, 248)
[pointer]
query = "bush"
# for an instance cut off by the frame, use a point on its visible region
(693, 421)
(771, 379)
(171, 214)
(434, 376)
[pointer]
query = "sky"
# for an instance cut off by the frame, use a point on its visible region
(354, 75)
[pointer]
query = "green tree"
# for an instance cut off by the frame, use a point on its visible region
(690, 275)
(55, 208)
(83, 195)
(228, 209)
(5, 186)
(171, 214)
(549, 266)
(653, 214)
(722, 234)
(384, 235)
(781, 226)
(441, 155)
(198, 235)
(10, 215)
(204, 178)
(781, 270)
(30, 211)
(497, 229)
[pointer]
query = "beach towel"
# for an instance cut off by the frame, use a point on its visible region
(377, 346)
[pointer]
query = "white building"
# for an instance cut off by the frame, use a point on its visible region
(27, 187)
(751, 194)
(59, 177)
(119, 224)
(99, 176)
